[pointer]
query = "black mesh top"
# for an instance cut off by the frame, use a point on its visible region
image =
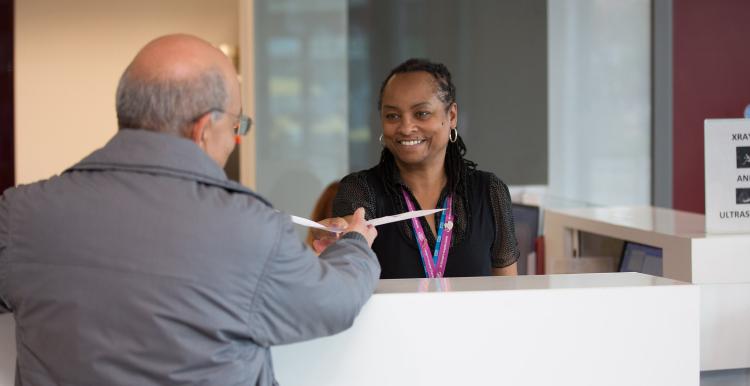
(486, 198)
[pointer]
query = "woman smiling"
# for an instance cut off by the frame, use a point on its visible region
(422, 166)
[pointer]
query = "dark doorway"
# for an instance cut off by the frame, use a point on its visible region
(7, 164)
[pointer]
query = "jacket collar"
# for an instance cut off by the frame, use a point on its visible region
(146, 151)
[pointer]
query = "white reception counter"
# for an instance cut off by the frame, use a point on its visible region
(718, 264)
(594, 329)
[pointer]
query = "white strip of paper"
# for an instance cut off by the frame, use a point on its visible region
(374, 222)
(311, 224)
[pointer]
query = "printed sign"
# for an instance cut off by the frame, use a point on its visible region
(727, 162)
(743, 157)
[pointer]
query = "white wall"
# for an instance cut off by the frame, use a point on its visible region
(68, 58)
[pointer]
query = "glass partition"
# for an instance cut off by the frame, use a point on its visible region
(600, 101)
(301, 99)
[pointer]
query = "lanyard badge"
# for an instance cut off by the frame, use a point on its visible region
(434, 263)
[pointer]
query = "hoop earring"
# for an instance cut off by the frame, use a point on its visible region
(453, 136)
(381, 140)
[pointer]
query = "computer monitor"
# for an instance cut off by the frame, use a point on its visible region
(526, 226)
(641, 258)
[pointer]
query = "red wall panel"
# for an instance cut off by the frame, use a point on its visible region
(711, 69)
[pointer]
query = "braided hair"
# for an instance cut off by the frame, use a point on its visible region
(456, 166)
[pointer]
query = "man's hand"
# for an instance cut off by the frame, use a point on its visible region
(358, 224)
(322, 238)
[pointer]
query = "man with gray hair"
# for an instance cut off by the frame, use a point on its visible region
(144, 265)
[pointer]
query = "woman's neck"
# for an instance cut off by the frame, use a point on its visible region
(429, 179)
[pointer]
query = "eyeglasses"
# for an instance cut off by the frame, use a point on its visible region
(243, 124)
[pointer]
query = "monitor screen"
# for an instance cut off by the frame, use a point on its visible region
(526, 226)
(641, 258)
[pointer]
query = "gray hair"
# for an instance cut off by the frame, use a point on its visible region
(168, 105)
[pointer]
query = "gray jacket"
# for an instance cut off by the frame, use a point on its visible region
(143, 265)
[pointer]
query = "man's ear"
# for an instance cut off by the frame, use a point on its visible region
(198, 130)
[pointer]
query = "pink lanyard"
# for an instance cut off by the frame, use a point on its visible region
(434, 265)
